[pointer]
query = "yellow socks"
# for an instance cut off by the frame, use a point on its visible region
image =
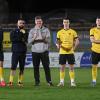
(20, 78)
(72, 75)
(12, 74)
(11, 78)
(94, 72)
(1, 74)
(62, 76)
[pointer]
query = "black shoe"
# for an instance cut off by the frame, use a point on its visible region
(93, 84)
(36, 84)
(50, 84)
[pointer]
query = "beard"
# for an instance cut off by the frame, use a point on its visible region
(21, 27)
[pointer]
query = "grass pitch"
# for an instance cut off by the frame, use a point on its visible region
(83, 91)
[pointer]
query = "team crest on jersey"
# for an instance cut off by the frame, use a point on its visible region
(69, 33)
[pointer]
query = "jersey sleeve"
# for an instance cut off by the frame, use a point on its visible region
(58, 36)
(91, 32)
(75, 35)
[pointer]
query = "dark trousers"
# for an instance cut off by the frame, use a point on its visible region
(44, 58)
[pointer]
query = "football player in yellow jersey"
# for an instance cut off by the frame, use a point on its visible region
(95, 39)
(67, 41)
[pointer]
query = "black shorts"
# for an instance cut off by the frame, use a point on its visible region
(95, 57)
(66, 57)
(1, 56)
(18, 58)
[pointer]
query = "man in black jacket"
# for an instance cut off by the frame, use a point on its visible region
(19, 47)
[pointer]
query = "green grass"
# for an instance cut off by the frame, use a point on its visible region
(83, 91)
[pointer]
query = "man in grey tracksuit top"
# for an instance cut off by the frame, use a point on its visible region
(39, 37)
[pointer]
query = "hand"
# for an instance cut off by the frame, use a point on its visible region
(66, 49)
(23, 31)
(92, 40)
(34, 36)
(58, 46)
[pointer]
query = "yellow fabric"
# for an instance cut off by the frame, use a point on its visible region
(1, 72)
(96, 33)
(11, 78)
(20, 78)
(94, 72)
(72, 75)
(67, 40)
(62, 75)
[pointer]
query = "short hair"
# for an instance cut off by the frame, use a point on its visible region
(98, 17)
(38, 17)
(20, 19)
(65, 18)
